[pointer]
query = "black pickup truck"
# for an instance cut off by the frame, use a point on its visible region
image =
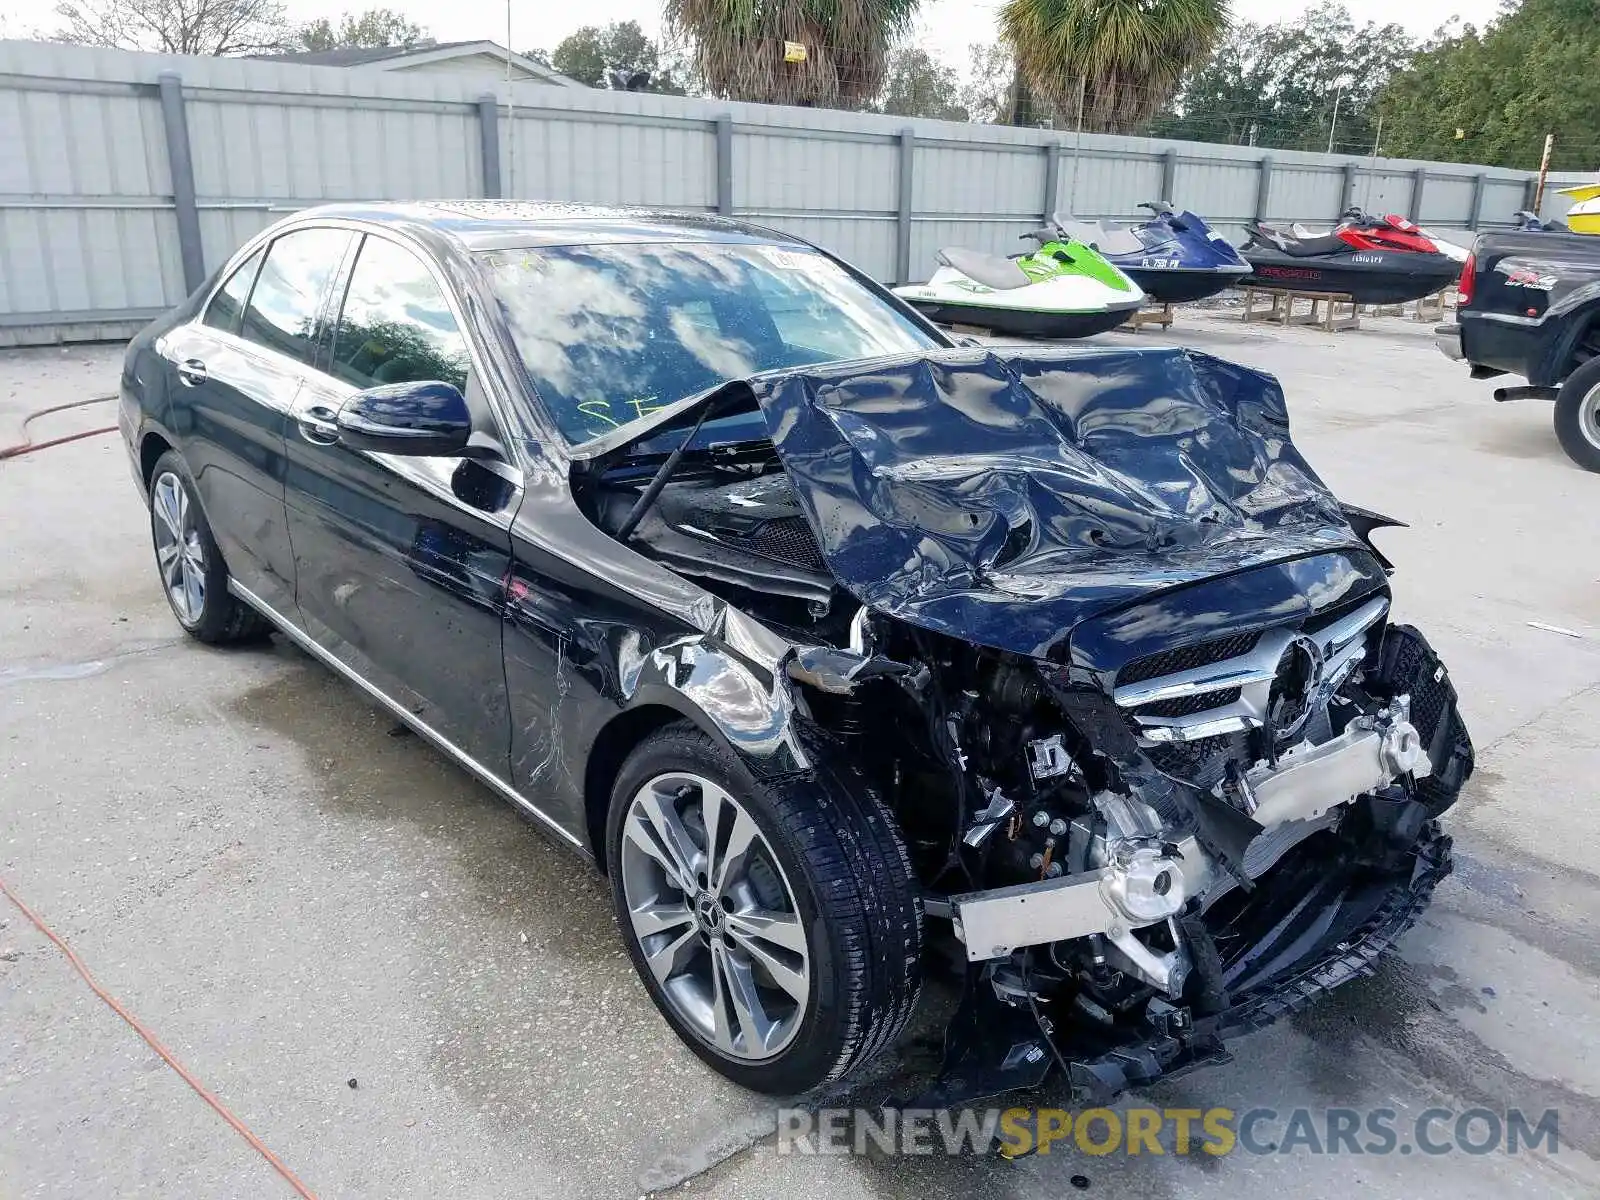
(1530, 306)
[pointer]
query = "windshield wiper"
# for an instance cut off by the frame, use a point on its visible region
(664, 473)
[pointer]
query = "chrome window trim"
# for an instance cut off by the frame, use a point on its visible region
(444, 744)
(497, 403)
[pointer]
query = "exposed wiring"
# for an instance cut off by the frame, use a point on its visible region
(1038, 1017)
(27, 446)
(167, 1056)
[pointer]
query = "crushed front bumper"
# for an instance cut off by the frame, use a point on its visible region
(993, 1047)
(1097, 1080)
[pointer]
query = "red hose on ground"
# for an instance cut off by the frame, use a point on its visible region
(221, 1110)
(28, 447)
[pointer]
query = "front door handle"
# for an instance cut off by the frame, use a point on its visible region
(318, 424)
(192, 372)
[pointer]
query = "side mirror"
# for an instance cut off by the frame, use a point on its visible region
(424, 419)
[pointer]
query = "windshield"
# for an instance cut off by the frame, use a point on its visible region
(609, 334)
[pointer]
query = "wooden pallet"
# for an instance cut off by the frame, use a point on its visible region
(1430, 309)
(1283, 312)
(1151, 314)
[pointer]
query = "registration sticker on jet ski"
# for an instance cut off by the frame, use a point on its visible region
(1164, 264)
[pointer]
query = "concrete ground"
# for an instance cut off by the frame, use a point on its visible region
(405, 991)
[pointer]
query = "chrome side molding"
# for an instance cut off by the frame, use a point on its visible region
(472, 765)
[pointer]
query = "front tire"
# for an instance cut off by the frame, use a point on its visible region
(1578, 415)
(194, 578)
(777, 926)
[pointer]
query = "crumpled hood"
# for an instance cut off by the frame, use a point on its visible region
(1002, 498)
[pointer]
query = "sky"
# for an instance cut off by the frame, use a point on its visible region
(946, 27)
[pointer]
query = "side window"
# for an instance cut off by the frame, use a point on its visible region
(282, 313)
(395, 326)
(223, 311)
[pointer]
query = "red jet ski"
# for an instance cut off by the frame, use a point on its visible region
(1375, 260)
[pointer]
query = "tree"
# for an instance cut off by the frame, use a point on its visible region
(207, 27)
(1491, 97)
(1119, 61)
(375, 27)
(739, 47)
(1282, 84)
(987, 93)
(590, 54)
(919, 85)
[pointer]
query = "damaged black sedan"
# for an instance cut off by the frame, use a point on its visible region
(846, 652)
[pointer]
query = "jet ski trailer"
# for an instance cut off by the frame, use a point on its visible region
(1062, 290)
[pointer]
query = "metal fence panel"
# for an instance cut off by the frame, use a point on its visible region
(1095, 184)
(967, 180)
(95, 233)
(790, 174)
(1301, 193)
(1224, 192)
(1447, 200)
(559, 156)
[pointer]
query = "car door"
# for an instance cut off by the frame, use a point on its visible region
(400, 561)
(235, 373)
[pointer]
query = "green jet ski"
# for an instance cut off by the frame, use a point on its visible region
(1064, 289)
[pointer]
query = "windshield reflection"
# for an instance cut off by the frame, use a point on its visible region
(610, 334)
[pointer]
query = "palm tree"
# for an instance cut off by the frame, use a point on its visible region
(739, 47)
(1116, 61)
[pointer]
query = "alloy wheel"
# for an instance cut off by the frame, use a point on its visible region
(180, 553)
(715, 916)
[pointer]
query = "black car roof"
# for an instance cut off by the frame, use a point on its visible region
(501, 224)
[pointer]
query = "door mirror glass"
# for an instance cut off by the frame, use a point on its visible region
(427, 418)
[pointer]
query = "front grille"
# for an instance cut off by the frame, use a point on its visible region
(1201, 763)
(1187, 658)
(1183, 706)
(1322, 618)
(786, 540)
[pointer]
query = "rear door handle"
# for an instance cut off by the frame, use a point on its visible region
(318, 424)
(192, 372)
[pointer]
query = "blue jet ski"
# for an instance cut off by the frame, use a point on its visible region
(1175, 257)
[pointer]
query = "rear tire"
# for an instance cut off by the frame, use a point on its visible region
(194, 578)
(834, 978)
(1578, 415)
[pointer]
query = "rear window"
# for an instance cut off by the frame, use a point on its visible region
(225, 307)
(609, 334)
